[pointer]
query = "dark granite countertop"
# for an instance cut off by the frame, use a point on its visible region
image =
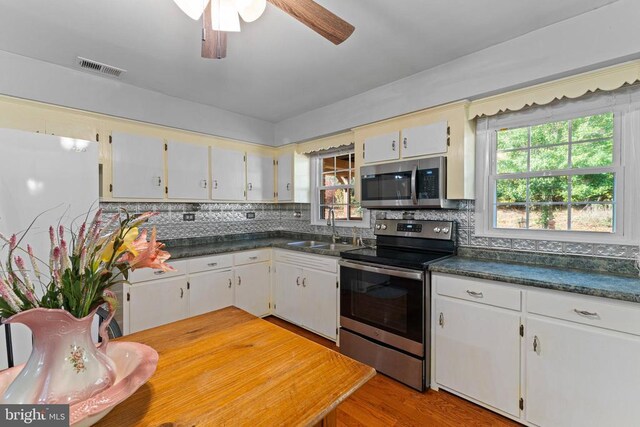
(598, 284)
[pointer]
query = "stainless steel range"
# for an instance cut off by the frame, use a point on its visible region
(385, 295)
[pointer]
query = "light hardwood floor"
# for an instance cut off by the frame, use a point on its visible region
(385, 402)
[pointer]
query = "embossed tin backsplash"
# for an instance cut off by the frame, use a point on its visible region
(215, 219)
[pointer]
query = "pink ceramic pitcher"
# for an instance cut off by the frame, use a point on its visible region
(65, 365)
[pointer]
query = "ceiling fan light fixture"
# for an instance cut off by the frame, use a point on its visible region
(192, 8)
(224, 16)
(250, 10)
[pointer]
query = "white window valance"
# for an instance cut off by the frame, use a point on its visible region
(331, 142)
(605, 79)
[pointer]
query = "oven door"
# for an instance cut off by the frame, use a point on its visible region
(384, 303)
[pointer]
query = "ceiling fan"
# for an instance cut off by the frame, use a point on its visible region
(222, 16)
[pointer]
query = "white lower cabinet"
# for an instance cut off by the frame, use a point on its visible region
(253, 288)
(304, 294)
(210, 290)
(157, 302)
(478, 352)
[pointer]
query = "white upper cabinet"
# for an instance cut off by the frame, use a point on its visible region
(260, 177)
(424, 140)
(188, 170)
(138, 166)
(227, 174)
(381, 148)
(285, 177)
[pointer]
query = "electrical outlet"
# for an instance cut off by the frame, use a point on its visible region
(297, 214)
(251, 215)
(188, 217)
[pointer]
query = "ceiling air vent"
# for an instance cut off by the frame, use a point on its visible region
(98, 67)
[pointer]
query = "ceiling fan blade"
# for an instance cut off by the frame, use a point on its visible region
(214, 43)
(316, 17)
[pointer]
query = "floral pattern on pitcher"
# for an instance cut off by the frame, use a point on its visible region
(77, 358)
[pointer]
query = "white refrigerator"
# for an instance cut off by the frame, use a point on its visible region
(46, 175)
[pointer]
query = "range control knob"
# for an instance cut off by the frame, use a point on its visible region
(377, 226)
(445, 230)
(436, 230)
(384, 226)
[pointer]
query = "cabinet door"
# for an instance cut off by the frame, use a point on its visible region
(424, 140)
(253, 288)
(209, 291)
(138, 166)
(382, 147)
(227, 174)
(188, 169)
(285, 177)
(260, 185)
(157, 302)
(320, 305)
(286, 292)
(478, 352)
(580, 375)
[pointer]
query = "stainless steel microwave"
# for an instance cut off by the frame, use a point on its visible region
(404, 185)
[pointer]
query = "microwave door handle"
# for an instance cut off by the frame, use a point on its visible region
(414, 186)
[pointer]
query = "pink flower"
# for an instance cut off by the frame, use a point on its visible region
(149, 254)
(13, 241)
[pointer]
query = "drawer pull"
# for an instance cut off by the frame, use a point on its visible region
(536, 344)
(239, 280)
(586, 313)
(230, 283)
(475, 294)
(159, 272)
(253, 258)
(212, 264)
(181, 292)
(441, 320)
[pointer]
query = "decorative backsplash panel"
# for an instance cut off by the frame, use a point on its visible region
(215, 219)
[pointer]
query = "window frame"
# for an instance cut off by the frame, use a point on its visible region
(317, 187)
(625, 106)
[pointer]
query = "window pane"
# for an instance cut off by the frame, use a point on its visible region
(512, 161)
(355, 212)
(548, 217)
(511, 190)
(592, 127)
(329, 180)
(328, 164)
(549, 189)
(593, 188)
(342, 162)
(550, 133)
(509, 216)
(512, 138)
(592, 154)
(327, 197)
(342, 178)
(341, 212)
(597, 218)
(551, 158)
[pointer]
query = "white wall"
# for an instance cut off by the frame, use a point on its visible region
(601, 37)
(28, 78)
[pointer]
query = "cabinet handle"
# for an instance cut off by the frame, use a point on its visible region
(475, 294)
(304, 282)
(288, 186)
(393, 146)
(230, 283)
(181, 292)
(253, 258)
(536, 344)
(212, 264)
(239, 280)
(215, 184)
(159, 181)
(298, 281)
(586, 313)
(159, 272)
(404, 142)
(203, 183)
(441, 320)
(250, 186)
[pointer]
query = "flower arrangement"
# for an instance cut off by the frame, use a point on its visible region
(81, 268)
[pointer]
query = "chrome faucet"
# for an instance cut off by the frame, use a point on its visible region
(331, 222)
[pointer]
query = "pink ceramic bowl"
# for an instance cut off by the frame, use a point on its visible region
(135, 364)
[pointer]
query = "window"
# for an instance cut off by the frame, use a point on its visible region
(557, 175)
(567, 171)
(335, 179)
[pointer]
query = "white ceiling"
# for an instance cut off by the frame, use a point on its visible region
(276, 67)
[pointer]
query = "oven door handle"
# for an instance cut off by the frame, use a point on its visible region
(414, 185)
(391, 271)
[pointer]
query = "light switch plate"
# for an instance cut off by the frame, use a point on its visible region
(188, 217)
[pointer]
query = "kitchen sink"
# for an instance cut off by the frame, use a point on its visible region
(307, 244)
(322, 245)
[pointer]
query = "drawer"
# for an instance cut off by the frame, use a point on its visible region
(145, 274)
(250, 257)
(316, 262)
(618, 316)
(478, 290)
(213, 262)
